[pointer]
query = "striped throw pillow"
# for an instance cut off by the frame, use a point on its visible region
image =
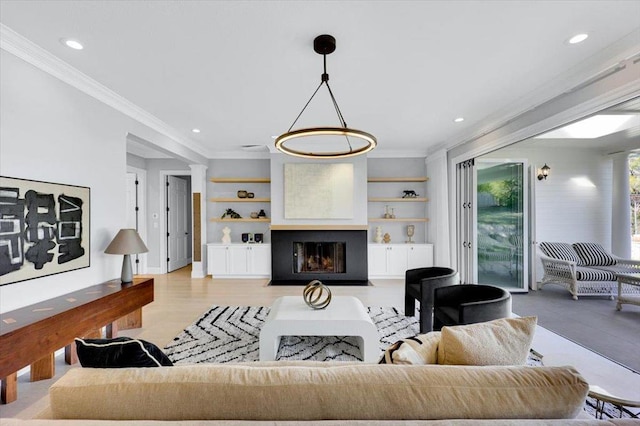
(593, 254)
(562, 251)
(417, 350)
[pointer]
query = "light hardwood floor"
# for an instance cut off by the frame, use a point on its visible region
(180, 300)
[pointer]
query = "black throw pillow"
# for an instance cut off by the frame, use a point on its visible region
(120, 352)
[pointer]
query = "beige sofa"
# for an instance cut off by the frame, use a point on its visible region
(323, 393)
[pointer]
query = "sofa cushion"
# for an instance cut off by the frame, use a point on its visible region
(417, 350)
(593, 254)
(120, 352)
(334, 392)
(504, 341)
(562, 251)
(594, 274)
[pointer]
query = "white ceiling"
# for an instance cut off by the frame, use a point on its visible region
(403, 70)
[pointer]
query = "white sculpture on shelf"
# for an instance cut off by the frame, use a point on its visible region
(226, 235)
(378, 237)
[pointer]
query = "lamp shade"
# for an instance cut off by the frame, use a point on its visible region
(127, 241)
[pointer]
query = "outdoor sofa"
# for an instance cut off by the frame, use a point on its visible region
(585, 269)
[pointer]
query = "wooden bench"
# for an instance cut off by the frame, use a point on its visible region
(31, 335)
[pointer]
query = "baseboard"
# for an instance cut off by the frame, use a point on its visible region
(153, 270)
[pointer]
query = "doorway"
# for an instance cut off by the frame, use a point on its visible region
(177, 223)
(493, 223)
(502, 223)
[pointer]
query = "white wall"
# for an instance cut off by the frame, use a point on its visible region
(359, 197)
(55, 133)
(567, 211)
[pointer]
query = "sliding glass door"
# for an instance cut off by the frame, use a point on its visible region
(501, 223)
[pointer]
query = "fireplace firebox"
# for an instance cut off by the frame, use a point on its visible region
(334, 257)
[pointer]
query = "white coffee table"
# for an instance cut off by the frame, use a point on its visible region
(345, 316)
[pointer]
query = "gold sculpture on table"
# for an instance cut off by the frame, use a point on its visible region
(316, 295)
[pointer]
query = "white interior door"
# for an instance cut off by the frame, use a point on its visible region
(178, 238)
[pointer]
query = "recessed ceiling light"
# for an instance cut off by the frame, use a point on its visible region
(459, 120)
(74, 44)
(578, 38)
(195, 130)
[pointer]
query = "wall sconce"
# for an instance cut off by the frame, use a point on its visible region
(543, 172)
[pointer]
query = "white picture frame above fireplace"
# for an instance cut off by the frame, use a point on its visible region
(318, 191)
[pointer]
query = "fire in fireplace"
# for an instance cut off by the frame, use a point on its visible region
(324, 257)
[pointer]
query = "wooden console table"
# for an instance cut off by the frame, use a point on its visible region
(31, 335)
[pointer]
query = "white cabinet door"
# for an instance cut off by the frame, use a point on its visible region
(396, 260)
(393, 260)
(239, 260)
(377, 260)
(420, 256)
(260, 259)
(217, 260)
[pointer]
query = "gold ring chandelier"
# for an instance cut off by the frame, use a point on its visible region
(325, 45)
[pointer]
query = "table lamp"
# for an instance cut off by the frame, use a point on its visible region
(127, 242)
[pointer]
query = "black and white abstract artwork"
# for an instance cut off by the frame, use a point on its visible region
(44, 229)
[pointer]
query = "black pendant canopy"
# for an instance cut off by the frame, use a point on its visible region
(324, 45)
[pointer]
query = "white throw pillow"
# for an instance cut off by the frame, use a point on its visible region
(417, 350)
(503, 341)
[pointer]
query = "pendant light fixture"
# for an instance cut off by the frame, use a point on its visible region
(356, 142)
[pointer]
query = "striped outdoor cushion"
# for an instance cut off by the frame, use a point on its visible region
(562, 251)
(593, 254)
(592, 274)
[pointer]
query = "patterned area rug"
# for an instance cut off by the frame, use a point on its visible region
(231, 333)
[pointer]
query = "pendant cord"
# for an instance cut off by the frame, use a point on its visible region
(305, 107)
(325, 80)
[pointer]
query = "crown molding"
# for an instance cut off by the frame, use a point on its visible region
(25, 49)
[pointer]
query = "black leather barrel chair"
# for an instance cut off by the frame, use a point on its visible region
(468, 304)
(419, 284)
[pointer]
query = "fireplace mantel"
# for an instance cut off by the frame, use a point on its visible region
(319, 227)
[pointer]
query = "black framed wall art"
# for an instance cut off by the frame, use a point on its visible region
(44, 229)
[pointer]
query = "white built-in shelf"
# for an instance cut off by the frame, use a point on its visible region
(402, 219)
(239, 180)
(244, 219)
(398, 199)
(398, 179)
(239, 200)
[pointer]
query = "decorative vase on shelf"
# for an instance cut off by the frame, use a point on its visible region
(226, 235)
(378, 236)
(386, 215)
(387, 238)
(410, 232)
